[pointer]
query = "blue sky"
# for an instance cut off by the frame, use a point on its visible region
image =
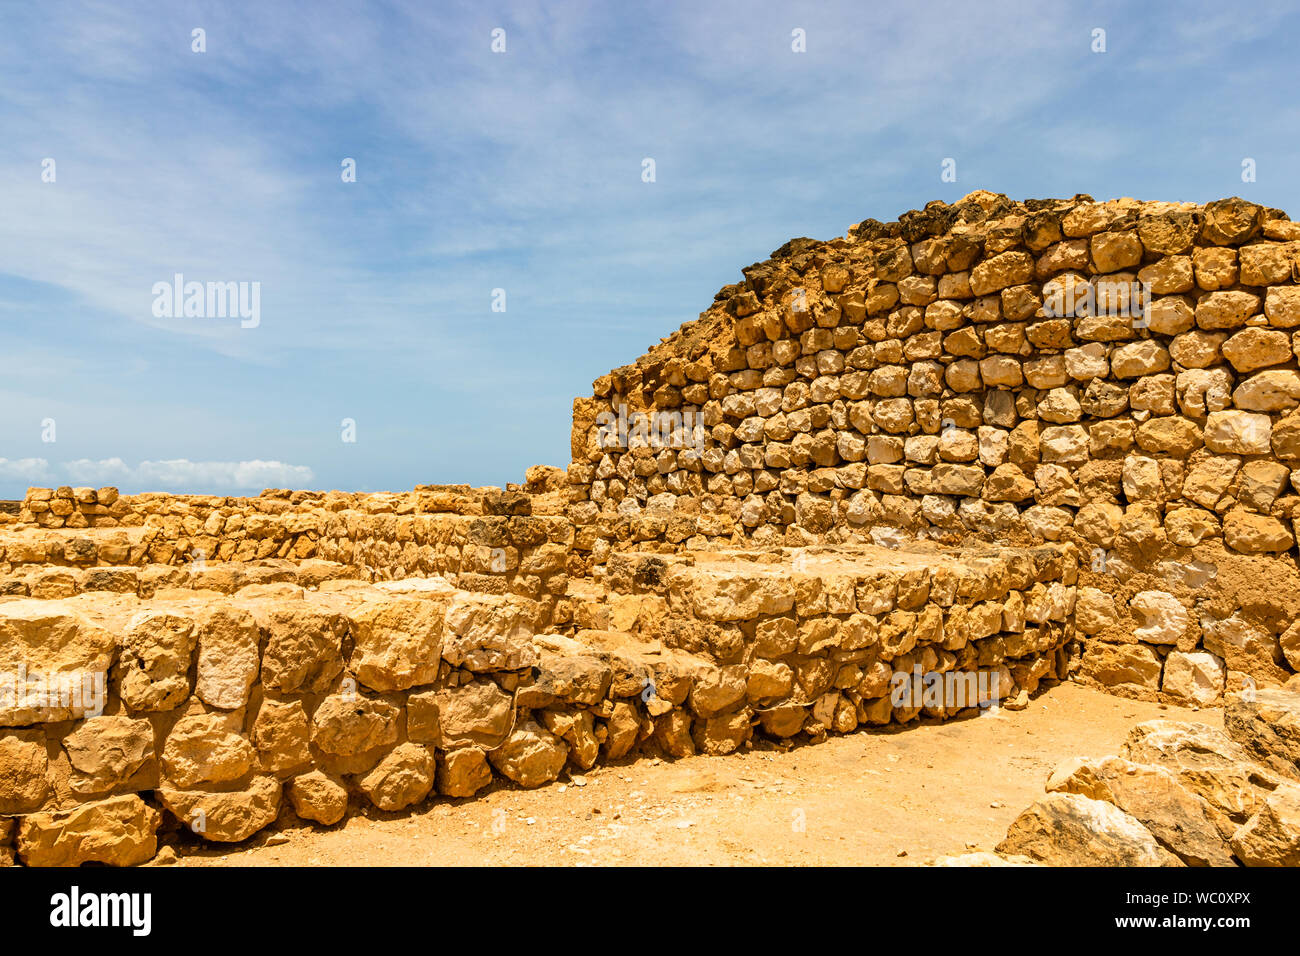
(519, 171)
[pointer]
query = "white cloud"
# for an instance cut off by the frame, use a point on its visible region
(25, 469)
(184, 474)
(83, 471)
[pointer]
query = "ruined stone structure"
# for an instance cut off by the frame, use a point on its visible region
(895, 477)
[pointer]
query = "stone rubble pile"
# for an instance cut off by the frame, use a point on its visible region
(1177, 794)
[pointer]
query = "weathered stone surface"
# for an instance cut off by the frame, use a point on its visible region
(118, 831)
(1252, 349)
(1290, 645)
(24, 765)
(1267, 724)
(475, 714)
(572, 678)
(404, 777)
(107, 751)
(1272, 836)
(730, 596)
(1181, 821)
(623, 728)
(531, 756)
(1207, 762)
(316, 796)
(397, 643)
(1065, 829)
(786, 720)
(55, 649)
(1115, 664)
(304, 648)
(1238, 433)
(577, 729)
(723, 734)
(487, 633)
(348, 725)
(202, 749)
(463, 772)
(1197, 678)
(1252, 533)
(1226, 310)
(718, 689)
(1244, 645)
(1231, 221)
(228, 656)
(1166, 618)
(673, 734)
(225, 816)
(1094, 611)
(281, 734)
(153, 671)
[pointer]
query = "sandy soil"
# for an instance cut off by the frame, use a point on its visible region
(895, 797)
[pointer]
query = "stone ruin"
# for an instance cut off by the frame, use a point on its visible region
(907, 475)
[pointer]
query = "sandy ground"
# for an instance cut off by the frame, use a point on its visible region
(896, 797)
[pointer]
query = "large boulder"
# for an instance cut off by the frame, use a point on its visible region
(1197, 678)
(1206, 761)
(353, 729)
(569, 678)
(463, 772)
(304, 647)
(228, 656)
(1066, 829)
(24, 768)
(476, 714)
(319, 797)
(1272, 836)
(1114, 665)
(281, 733)
(487, 632)
(225, 816)
(1267, 724)
(404, 777)
(531, 755)
(203, 748)
(118, 831)
(58, 661)
(726, 595)
(398, 641)
(106, 752)
(153, 672)
(1182, 822)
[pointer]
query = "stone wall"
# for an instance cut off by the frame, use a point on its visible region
(512, 541)
(1120, 376)
(222, 715)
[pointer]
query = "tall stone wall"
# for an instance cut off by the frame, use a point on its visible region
(1120, 376)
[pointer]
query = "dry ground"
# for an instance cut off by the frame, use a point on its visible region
(878, 798)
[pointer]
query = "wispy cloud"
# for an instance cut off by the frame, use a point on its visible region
(33, 470)
(180, 473)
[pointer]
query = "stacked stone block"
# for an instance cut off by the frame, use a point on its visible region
(1119, 375)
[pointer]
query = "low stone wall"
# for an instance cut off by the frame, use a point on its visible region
(220, 713)
(486, 539)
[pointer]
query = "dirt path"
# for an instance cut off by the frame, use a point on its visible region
(877, 798)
